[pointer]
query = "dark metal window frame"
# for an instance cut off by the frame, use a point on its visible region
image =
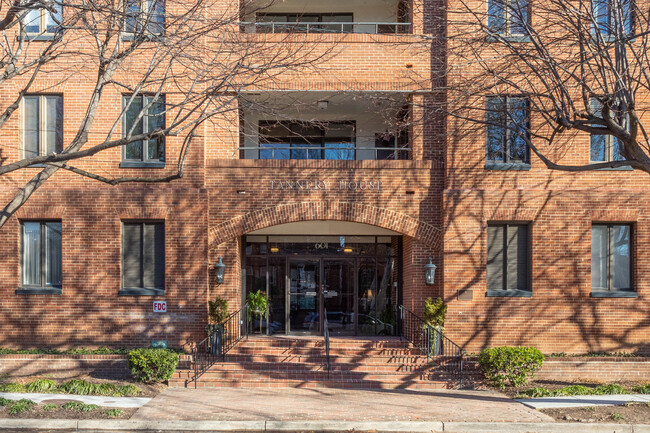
(144, 24)
(142, 291)
(505, 144)
(504, 292)
(290, 140)
(143, 161)
(607, 292)
(42, 288)
(42, 144)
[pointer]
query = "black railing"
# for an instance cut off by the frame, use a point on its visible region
(223, 337)
(432, 342)
(326, 335)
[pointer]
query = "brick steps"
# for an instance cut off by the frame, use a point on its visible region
(387, 363)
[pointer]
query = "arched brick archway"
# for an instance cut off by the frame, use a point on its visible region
(325, 210)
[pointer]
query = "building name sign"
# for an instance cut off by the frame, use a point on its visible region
(326, 185)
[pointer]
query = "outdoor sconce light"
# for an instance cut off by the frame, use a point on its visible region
(220, 270)
(430, 272)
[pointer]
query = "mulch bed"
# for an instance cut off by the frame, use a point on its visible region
(548, 384)
(632, 413)
(148, 390)
(37, 412)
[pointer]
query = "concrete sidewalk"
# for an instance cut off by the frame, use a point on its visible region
(329, 404)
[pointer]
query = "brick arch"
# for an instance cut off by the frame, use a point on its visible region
(325, 210)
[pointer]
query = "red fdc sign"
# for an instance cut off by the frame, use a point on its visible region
(159, 306)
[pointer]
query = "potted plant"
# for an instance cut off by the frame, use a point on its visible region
(257, 304)
(434, 319)
(217, 314)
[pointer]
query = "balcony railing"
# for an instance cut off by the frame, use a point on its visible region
(327, 27)
(286, 152)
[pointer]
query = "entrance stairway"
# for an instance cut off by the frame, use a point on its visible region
(279, 361)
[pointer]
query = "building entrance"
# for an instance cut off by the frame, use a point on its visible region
(353, 278)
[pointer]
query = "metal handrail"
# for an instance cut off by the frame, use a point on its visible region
(432, 341)
(326, 335)
(369, 27)
(396, 151)
(205, 354)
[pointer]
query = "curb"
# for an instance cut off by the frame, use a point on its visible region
(317, 426)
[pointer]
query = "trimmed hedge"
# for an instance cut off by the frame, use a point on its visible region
(512, 366)
(152, 365)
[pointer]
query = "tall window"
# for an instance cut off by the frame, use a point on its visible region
(603, 147)
(41, 254)
(302, 140)
(153, 118)
(508, 17)
(507, 259)
(613, 17)
(507, 129)
(147, 16)
(43, 21)
(42, 124)
(143, 255)
(611, 257)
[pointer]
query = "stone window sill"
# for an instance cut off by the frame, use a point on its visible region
(38, 291)
(507, 166)
(38, 37)
(509, 38)
(614, 294)
(509, 294)
(142, 292)
(141, 164)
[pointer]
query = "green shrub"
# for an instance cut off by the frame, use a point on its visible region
(13, 387)
(152, 365)
(510, 365)
(114, 412)
(642, 389)
(4, 401)
(536, 393)
(79, 406)
(22, 405)
(78, 386)
(42, 385)
(128, 390)
(50, 406)
(576, 390)
(434, 312)
(609, 389)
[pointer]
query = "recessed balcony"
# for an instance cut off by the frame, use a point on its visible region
(325, 126)
(336, 16)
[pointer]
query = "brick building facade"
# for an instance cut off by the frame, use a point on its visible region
(431, 196)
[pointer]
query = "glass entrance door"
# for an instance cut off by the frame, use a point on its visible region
(303, 281)
(338, 295)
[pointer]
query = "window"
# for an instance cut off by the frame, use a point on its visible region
(43, 21)
(611, 258)
(147, 151)
(41, 254)
(303, 23)
(145, 16)
(508, 260)
(507, 129)
(305, 140)
(143, 258)
(508, 17)
(613, 17)
(603, 148)
(42, 124)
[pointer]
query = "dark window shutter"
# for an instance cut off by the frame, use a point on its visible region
(154, 256)
(517, 258)
(495, 257)
(132, 255)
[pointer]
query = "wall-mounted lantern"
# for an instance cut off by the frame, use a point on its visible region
(220, 270)
(430, 272)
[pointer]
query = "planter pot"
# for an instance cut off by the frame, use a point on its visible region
(216, 339)
(435, 340)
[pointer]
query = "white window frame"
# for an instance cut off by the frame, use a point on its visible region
(42, 123)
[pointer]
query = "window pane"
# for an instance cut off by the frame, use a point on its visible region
(53, 19)
(616, 149)
(602, 15)
(132, 12)
(53, 124)
(53, 254)
(156, 16)
(32, 21)
(156, 120)
(621, 258)
(518, 129)
(32, 254)
(598, 257)
(133, 150)
(495, 257)
(132, 255)
(339, 151)
(154, 256)
(495, 131)
(517, 257)
(496, 16)
(31, 126)
(597, 148)
(274, 151)
(518, 17)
